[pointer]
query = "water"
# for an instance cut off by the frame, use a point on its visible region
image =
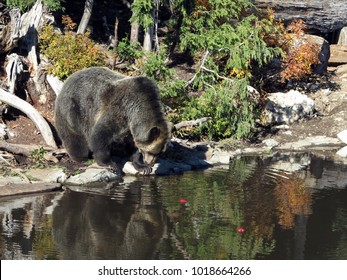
(279, 207)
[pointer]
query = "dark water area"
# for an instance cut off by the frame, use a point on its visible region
(278, 207)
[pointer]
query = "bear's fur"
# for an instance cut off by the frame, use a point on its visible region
(106, 115)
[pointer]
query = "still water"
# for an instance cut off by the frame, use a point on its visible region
(278, 207)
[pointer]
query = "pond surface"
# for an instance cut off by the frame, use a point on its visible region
(279, 207)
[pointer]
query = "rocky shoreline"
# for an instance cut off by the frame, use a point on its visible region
(194, 156)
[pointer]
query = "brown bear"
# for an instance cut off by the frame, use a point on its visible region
(106, 115)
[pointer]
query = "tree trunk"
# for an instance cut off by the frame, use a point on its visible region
(28, 32)
(88, 7)
(9, 28)
(134, 32)
(149, 32)
(116, 24)
(148, 39)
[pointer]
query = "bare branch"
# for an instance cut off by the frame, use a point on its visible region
(203, 68)
(191, 123)
(201, 65)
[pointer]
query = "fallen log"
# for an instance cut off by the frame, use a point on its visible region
(32, 113)
(22, 149)
(190, 123)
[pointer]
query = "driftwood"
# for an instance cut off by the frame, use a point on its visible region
(20, 149)
(190, 123)
(14, 69)
(55, 83)
(16, 149)
(32, 113)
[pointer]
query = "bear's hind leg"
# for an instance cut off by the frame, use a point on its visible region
(77, 147)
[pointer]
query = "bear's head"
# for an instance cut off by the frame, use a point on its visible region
(156, 142)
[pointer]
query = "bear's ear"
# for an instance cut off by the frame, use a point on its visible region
(153, 134)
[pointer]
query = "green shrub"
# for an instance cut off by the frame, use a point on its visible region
(228, 37)
(129, 51)
(69, 52)
(25, 5)
(154, 67)
(230, 108)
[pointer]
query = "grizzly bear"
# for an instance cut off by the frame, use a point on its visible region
(106, 115)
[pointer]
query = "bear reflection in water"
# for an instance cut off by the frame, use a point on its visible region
(98, 227)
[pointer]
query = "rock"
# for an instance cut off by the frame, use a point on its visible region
(343, 136)
(92, 175)
(3, 132)
(270, 143)
(220, 157)
(341, 70)
(12, 180)
(311, 142)
(287, 107)
(48, 175)
(321, 15)
(163, 167)
(16, 189)
(342, 152)
(338, 54)
(343, 37)
(323, 55)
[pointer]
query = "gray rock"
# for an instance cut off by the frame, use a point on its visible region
(12, 180)
(3, 132)
(220, 157)
(342, 152)
(270, 143)
(289, 107)
(163, 167)
(343, 36)
(92, 175)
(322, 15)
(48, 175)
(310, 142)
(343, 136)
(323, 55)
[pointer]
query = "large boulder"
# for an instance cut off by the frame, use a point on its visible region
(323, 55)
(343, 37)
(286, 108)
(321, 15)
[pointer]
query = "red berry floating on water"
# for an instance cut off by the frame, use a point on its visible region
(240, 230)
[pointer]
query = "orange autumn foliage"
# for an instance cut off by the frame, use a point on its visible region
(301, 55)
(292, 198)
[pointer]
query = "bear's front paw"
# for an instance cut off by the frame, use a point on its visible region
(147, 170)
